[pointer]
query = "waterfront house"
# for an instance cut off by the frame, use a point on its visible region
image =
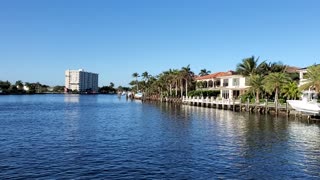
(302, 74)
(230, 84)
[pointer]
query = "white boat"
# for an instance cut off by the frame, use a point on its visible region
(308, 104)
(138, 95)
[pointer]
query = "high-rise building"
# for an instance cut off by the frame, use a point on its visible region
(81, 81)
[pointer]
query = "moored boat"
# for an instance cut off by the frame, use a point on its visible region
(308, 104)
(138, 95)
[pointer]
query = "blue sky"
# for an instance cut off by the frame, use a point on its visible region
(40, 39)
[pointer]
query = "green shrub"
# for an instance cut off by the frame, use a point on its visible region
(262, 100)
(253, 100)
(281, 101)
(204, 93)
(244, 97)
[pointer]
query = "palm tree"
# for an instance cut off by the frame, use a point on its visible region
(145, 76)
(136, 75)
(291, 91)
(256, 83)
(111, 85)
(148, 85)
(275, 67)
(169, 79)
(250, 66)
(175, 75)
(204, 72)
(200, 84)
(313, 78)
(145, 83)
(274, 82)
(187, 75)
(154, 86)
(132, 83)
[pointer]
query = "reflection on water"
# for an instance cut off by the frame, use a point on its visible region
(259, 145)
(71, 98)
(107, 137)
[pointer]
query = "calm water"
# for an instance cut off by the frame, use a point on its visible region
(103, 137)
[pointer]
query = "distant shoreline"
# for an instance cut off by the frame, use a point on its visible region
(2, 94)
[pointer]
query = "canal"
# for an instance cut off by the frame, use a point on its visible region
(106, 137)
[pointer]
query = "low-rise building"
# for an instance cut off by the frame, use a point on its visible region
(230, 84)
(302, 75)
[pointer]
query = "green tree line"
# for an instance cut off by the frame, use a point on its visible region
(272, 81)
(266, 80)
(27, 88)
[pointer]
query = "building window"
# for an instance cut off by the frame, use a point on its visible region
(235, 82)
(247, 82)
(217, 83)
(205, 84)
(236, 93)
(225, 82)
(225, 94)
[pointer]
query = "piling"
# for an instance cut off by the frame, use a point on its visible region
(234, 104)
(287, 109)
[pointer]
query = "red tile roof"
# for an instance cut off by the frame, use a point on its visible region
(291, 69)
(215, 75)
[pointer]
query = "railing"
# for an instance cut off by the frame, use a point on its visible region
(212, 100)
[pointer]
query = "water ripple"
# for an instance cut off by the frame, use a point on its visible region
(104, 137)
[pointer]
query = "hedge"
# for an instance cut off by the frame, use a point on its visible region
(204, 93)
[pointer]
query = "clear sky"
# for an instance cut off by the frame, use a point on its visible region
(40, 39)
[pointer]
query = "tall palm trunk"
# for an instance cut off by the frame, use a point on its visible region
(176, 88)
(276, 100)
(257, 96)
(276, 96)
(181, 85)
(186, 87)
(170, 89)
(137, 84)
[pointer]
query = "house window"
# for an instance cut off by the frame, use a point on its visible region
(235, 82)
(236, 93)
(225, 82)
(225, 94)
(247, 82)
(217, 83)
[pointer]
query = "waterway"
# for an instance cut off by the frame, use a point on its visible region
(106, 137)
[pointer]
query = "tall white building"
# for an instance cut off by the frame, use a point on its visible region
(81, 80)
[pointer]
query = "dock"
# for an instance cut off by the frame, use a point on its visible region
(238, 105)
